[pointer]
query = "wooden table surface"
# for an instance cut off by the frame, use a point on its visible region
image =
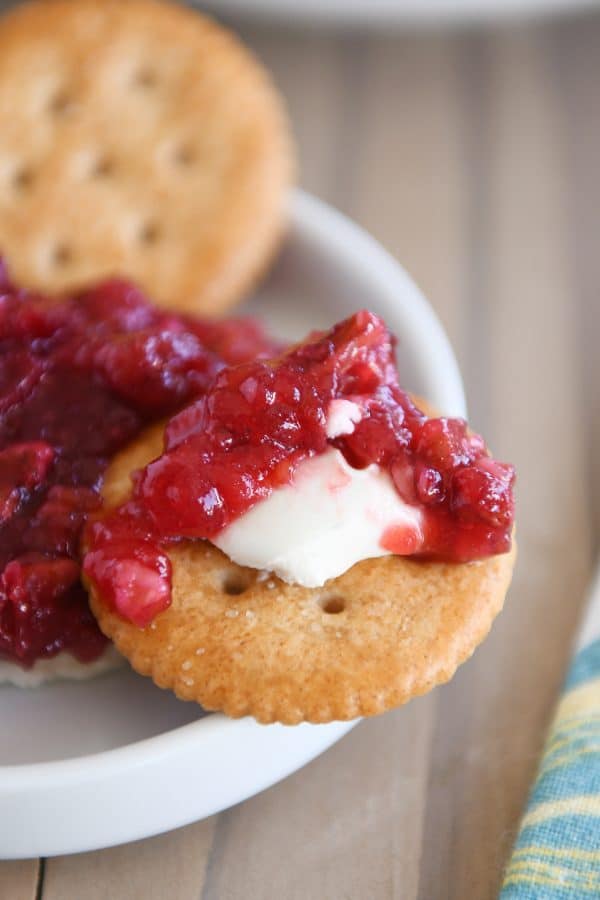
(473, 157)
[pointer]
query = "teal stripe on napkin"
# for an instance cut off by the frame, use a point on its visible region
(557, 854)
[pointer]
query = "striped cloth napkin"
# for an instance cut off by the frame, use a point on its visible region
(557, 853)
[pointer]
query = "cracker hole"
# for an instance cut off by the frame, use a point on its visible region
(60, 104)
(102, 167)
(145, 77)
(61, 256)
(23, 178)
(333, 605)
(149, 233)
(236, 583)
(184, 155)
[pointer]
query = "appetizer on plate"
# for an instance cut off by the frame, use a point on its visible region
(280, 532)
(303, 542)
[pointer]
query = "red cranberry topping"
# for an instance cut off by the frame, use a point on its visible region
(78, 380)
(20, 371)
(134, 578)
(23, 467)
(43, 610)
(245, 436)
(257, 422)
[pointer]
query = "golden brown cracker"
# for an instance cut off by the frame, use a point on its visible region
(246, 643)
(141, 139)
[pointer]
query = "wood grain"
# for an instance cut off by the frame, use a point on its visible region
(473, 158)
(170, 866)
(526, 349)
(19, 879)
(334, 829)
(576, 64)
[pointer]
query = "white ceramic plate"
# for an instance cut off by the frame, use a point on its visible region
(91, 764)
(393, 12)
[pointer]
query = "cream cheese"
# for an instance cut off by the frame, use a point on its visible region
(342, 417)
(328, 518)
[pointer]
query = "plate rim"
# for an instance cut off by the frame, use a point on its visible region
(406, 13)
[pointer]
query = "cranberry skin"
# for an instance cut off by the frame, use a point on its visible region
(235, 341)
(116, 305)
(59, 520)
(134, 577)
(30, 575)
(383, 434)
(443, 444)
(483, 492)
(43, 611)
(185, 423)
(23, 467)
(76, 413)
(20, 372)
(23, 315)
(430, 485)
(156, 372)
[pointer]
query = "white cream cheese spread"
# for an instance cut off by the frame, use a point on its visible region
(328, 518)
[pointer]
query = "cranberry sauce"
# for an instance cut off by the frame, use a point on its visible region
(78, 379)
(244, 437)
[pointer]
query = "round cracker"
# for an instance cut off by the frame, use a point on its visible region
(244, 642)
(141, 139)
